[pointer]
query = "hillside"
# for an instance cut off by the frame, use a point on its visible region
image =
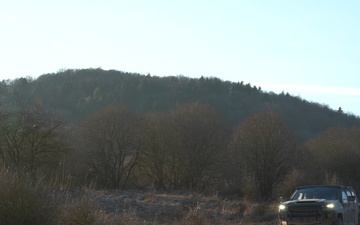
(76, 93)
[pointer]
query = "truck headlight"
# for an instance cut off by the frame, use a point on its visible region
(282, 207)
(330, 206)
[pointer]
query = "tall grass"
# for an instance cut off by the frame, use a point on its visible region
(23, 202)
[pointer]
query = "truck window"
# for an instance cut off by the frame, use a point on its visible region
(353, 194)
(348, 193)
(344, 197)
(316, 193)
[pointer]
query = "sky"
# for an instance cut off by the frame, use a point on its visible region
(308, 48)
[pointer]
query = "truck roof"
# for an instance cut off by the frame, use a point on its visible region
(334, 186)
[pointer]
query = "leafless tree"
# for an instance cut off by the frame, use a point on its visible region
(334, 156)
(112, 141)
(201, 136)
(157, 158)
(31, 139)
(265, 146)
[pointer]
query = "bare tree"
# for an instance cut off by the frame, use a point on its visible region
(159, 142)
(31, 139)
(265, 146)
(202, 136)
(112, 141)
(334, 156)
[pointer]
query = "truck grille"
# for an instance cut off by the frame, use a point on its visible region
(304, 214)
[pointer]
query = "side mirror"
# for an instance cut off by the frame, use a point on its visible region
(351, 198)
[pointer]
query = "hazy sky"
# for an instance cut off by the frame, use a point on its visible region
(309, 48)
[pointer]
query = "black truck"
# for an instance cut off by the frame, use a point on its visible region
(331, 205)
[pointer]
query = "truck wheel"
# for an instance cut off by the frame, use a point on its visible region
(338, 222)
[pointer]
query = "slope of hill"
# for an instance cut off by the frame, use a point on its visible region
(76, 93)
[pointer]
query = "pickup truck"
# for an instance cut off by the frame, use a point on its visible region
(330, 205)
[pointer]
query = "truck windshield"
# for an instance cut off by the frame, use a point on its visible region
(316, 193)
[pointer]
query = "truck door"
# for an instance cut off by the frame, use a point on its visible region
(356, 205)
(353, 208)
(346, 208)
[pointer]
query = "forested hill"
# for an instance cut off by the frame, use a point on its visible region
(77, 93)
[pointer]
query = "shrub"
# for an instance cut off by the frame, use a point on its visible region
(78, 212)
(82, 210)
(23, 202)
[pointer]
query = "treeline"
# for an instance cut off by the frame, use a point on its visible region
(74, 94)
(189, 147)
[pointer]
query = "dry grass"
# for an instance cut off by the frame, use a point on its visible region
(22, 202)
(184, 208)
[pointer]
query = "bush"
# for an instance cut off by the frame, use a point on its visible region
(78, 212)
(24, 203)
(195, 216)
(82, 210)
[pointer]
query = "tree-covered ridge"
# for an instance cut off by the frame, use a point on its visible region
(130, 131)
(77, 93)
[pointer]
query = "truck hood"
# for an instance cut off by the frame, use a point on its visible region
(309, 201)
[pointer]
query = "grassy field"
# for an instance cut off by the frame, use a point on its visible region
(24, 202)
(176, 208)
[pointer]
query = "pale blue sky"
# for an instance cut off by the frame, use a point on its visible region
(309, 48)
